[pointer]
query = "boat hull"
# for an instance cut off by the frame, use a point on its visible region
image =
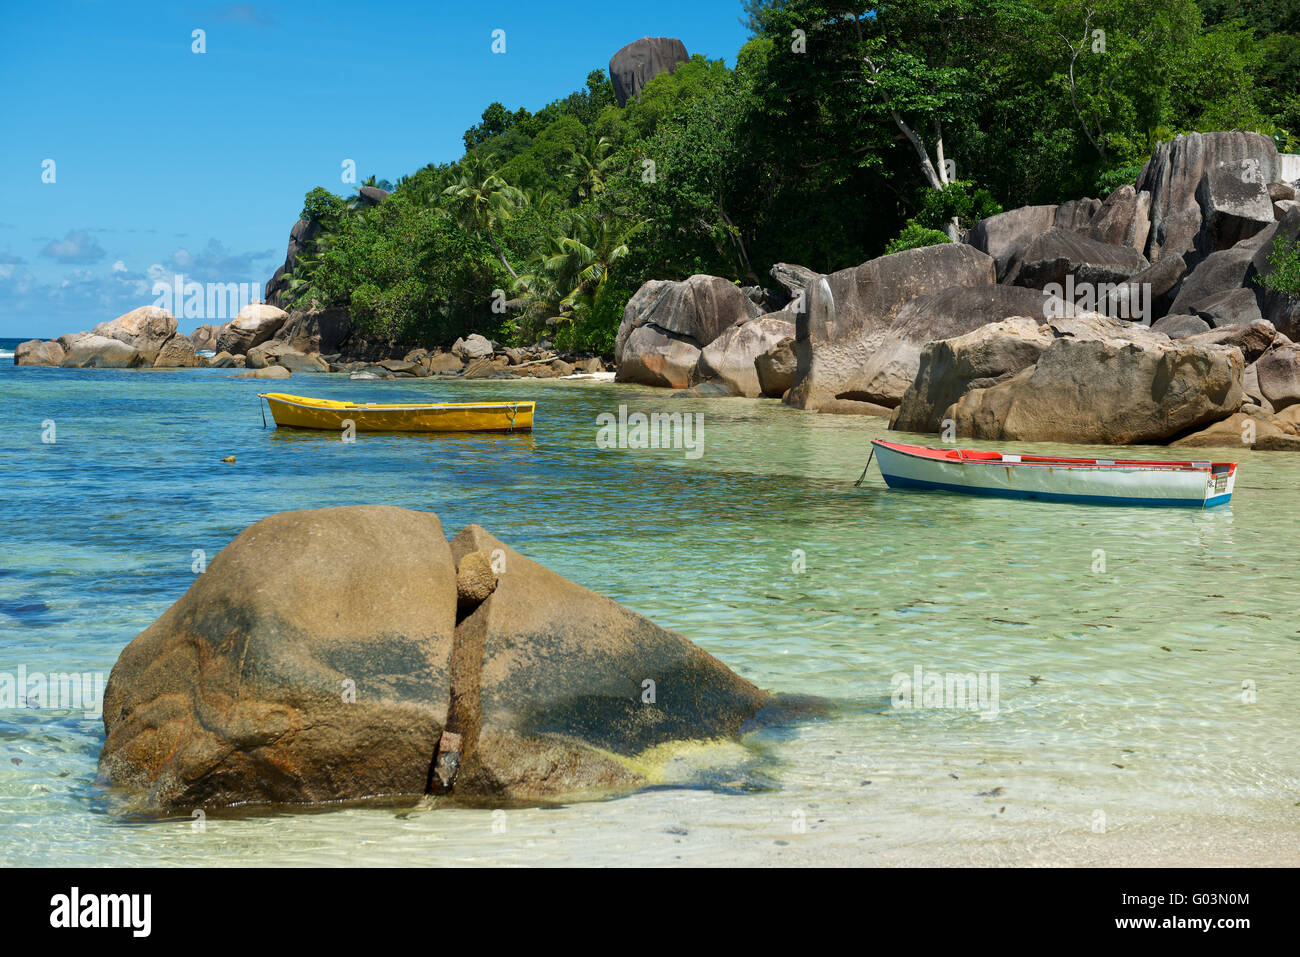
(1081, 481)
(301, 412)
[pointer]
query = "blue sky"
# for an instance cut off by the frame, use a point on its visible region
(170, 161)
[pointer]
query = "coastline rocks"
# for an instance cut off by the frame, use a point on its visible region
(267, 372)
(1127, 389)
(442, 363)
(731, 357)
(488, 368)
(666, 324)
(636, 64)
(1124, 219)
(549, 679)
(1059, 252)
(205, 338)
(256, 323)
(1232, 307)
(224, 360)
(307, 664)
(38, 352)
(100, 352)
(320, 658)
(1173, 177)
(1177, 326)
(950, 368)
(177, 353)
(1278, 370)
(146, 330)
(776, 368)
(850, 310)
(1233, 432)
(651, 356)
(1253, 338)
(473, 347)
(1235, 206)
(315, 331)
(896, 358)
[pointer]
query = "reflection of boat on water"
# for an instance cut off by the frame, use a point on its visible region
(301, 412)
(1055, 479)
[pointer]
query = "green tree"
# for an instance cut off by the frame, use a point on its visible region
(481, 201)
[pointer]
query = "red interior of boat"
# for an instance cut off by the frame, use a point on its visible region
(978, 455)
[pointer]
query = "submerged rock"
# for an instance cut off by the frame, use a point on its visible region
(320, 658)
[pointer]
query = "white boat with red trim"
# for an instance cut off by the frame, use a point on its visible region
(1055, 479)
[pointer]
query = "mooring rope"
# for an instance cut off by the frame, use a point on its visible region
(867, 466)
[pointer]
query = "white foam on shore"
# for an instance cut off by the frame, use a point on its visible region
(594, 376)
(6, 355)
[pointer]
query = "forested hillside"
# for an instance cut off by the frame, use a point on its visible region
(839, 132)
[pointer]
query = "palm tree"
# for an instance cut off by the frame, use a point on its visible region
(482, 200)
(588, 166)
(566, 280)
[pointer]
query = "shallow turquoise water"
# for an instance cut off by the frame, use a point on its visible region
(1120, 690)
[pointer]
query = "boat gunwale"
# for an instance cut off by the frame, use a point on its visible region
(336, 406)
(1120, 465)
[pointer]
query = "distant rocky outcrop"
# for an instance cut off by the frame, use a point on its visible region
(632, 67)
(350, 653)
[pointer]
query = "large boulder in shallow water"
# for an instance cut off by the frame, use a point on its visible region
(332, 655)
(550, 681)
(776, 369)
(307, 664)
(667, 323)
(894, 362)
(950, 368)
(37, 352)
(849, 312)
(651, 356)
(146, 329)
(255, 323)
(101, 352)
(632, 67)
(1101, 382)
(731, 357)
(177, 353)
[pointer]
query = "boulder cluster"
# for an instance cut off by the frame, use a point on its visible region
(348, 653)
(1140, 319)
(272, 343)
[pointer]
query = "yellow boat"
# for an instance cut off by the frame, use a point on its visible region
(301, 412)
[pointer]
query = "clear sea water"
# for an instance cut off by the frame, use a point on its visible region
(1148, 697)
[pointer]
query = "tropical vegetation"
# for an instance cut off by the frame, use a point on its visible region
(842, 131)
